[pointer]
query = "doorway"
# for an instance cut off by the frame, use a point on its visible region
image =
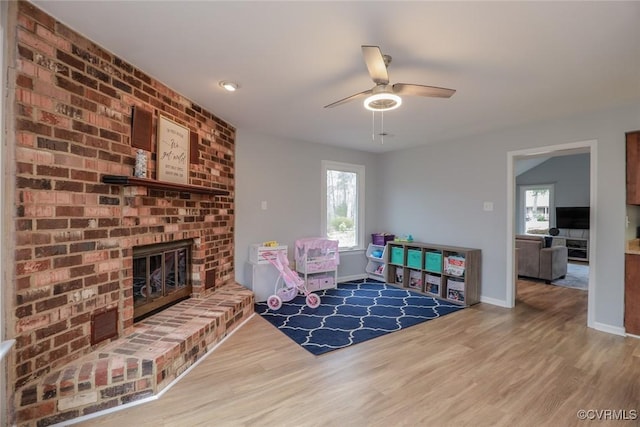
(513, 157)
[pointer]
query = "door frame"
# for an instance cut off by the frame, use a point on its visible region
(589, 146)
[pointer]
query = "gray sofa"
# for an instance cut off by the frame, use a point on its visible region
(539, 262)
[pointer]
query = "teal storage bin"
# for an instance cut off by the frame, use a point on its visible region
(433, 262)
(414, 258)
(397, 255)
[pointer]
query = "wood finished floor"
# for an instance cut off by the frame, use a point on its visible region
(535, 365)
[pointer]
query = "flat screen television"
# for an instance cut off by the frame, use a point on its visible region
(573, 217)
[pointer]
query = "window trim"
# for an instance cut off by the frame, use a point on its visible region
(552, 203)
(360, 224)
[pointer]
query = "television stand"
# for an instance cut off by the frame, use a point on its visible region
(577, 247)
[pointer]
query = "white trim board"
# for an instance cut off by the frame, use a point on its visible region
(590, 146)
(494, 301)
(352, 277)
(359, 170)
(615, 330)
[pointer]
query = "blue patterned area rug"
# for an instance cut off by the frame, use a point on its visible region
(352, 313)
(577, 277)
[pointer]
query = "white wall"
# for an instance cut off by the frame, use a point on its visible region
(436, 193)
(570, 174)
(288, 176)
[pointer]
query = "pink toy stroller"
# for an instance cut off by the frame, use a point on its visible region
(288, 284)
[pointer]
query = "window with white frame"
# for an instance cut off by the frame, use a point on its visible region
(537, 208)
(343, 204)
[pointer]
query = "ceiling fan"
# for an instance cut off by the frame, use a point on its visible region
(383, 96)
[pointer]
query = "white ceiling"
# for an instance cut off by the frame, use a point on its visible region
(511, 62)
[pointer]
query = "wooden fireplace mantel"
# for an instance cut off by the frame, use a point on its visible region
(159, 185)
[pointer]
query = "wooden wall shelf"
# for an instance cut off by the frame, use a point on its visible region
(158, 185)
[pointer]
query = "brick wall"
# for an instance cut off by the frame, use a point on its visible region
(73, 234)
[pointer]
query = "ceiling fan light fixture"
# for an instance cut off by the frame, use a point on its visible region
(382, 102)
(229, 86)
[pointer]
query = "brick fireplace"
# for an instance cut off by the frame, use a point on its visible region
(84, 226)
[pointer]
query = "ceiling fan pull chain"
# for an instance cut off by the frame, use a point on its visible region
(381, 127)
(373, 125)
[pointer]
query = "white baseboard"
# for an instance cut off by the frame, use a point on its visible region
(494, 301)
(352, 277)
(615, 330)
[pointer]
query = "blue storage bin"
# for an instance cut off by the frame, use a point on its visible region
(397, 255)
(414, 258)
(433, 262)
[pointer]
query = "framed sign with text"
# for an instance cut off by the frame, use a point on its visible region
(173, 152)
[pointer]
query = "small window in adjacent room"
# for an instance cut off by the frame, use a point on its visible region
(537, 208)
(343, 204)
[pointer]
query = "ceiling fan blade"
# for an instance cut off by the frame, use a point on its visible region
(349, 98)
(420, 90)
(375, 64)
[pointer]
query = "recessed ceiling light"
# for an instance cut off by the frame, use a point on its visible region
(229, 86)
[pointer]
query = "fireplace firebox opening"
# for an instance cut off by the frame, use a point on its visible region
(161, 276)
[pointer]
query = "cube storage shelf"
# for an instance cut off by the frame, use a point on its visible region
(448, 272)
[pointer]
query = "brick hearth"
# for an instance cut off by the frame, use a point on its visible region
(141, 364)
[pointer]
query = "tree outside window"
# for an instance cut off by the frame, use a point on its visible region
(537, 205)
(343, 198)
